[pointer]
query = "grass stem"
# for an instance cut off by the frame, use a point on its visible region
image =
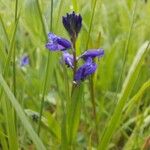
(47, 70)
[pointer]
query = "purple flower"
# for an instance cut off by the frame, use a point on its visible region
(57, 43)
(87, 69)
(92, 53)
(68, 59)
(72, 23)
(24, 60)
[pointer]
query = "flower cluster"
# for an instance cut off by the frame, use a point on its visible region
(73, 24)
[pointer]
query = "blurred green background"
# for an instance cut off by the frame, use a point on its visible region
(120, 27)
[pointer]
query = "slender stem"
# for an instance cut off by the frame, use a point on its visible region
(41, 17)
(6, 35)
(91, 21)
(47, 72)
(16, 10)
(92, 91)
(59, 12)
(14, 65)
(43, 95)
(51, 15)
(75, 62)
(14, 71)
(126, 48)
(14, 54)
(5, 70)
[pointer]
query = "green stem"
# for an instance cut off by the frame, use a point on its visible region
(47, 71)
(51, 15)
(92, 92)
(41, 18)
(14, 71)
(91, 21)
(75, 62)
(6, 66)
(6, 35)
(16, 10)
(14, 54)
(126, 49)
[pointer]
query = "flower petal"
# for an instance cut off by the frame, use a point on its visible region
(57, 43)
(92, 53)
(68, 59)
(84, 71)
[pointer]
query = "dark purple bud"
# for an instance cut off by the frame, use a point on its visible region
(92, 53)
(72, 23)
(57, 43)
(24, 60)
(84, 71)
(68, 59)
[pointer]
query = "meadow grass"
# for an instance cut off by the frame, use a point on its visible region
(109, 110)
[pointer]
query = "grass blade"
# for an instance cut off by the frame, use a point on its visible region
(38, 143)
(134, 100)
(74, 110)
(126, 90)
(10, 124)
(47, 67)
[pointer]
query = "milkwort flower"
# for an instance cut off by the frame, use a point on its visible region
(24, 60)
(57, 43)
(90, 66)
(73, 24)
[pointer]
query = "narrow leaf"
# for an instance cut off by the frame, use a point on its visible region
(38, 143)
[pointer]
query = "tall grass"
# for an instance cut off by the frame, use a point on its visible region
(110, 110)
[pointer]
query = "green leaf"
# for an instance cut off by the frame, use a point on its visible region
(73, 114)
(126, 90)
(10, 124)
(134, 100)
(48, 122)
(38, 143)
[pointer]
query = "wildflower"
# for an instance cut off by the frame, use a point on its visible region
(57, 43)
(84, 71)
(92, 53)
(72, 24)
(68, 59)
(24, 61)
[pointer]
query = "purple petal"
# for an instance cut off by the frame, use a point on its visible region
(68, 59)
(84, 71)
(57, 43)
(54, 47)
(65, 43)
(92, 53)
